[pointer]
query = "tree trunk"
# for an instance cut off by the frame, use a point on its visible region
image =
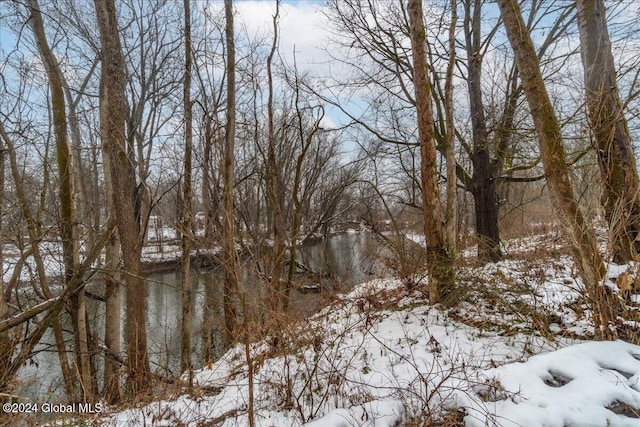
(6, 343)
(483, 187)
(451, 208)
(207, 182)
(612, 140)
(86, 214)
(112, 133)
(68, 231)
(185, 260)
(441, 272)
(112, 390)
(230, 260)
(485, 199)
(85, 230)
(278, 297)
(580, 236)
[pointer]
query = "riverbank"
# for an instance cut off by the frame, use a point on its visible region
(380, 355)
(156, 258)
(345, 257)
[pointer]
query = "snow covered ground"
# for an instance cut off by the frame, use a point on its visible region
(54, 265)
(515, 352)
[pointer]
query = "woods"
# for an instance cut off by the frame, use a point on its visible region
(220, 141)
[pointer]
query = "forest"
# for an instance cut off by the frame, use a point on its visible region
(323, 212)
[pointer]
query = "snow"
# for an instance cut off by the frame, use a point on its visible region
(161, 234)
(54, 264)
(416, 238)
(570, 386)
(381, 356)
(51, 257)
(363, 366)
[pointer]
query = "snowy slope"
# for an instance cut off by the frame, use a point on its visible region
(357, 365)
(513, 353)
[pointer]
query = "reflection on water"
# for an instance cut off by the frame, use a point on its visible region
(345, 260)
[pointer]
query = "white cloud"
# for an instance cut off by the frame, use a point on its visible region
(302, 26)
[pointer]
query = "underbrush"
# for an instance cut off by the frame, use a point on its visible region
(381, 355)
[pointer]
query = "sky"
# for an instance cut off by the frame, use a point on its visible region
(303, 29)
(302, 25)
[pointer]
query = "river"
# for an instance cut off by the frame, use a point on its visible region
(345, 260)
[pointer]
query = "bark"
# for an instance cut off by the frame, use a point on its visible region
(185, 261)
(68, 227)
(279, 296)
(86, 214)
(451, 208)
(482, 185)
(6, 343)
(611, 136)
(581, 238)
(112, 390)
(248, 358)
(441, 273)
(207, 182)
(113, 296)
(230, 260)
(112, 133)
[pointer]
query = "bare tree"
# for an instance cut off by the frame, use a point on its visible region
(581, 237)
(372, 35)
(112, 121)
(451, 208)
(229, 255)
(441, 272)
(6, 343)
(483, 184)
(68, 224)
(305, 138)
(612, 140)
(153, 80)
(51, 305)
(210, 81)
(274, 185)
(185, 260)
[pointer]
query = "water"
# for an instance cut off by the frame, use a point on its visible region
(345, 261)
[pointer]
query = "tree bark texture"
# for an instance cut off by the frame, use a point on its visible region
(612, 140)
(581, 238)
(112, 133)
(6, 343)
(185, 261)
(68, 231)
(278, 294)
(112, 390)
(230, 259)
(441, 273)
(451, 208)
(482, 186)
